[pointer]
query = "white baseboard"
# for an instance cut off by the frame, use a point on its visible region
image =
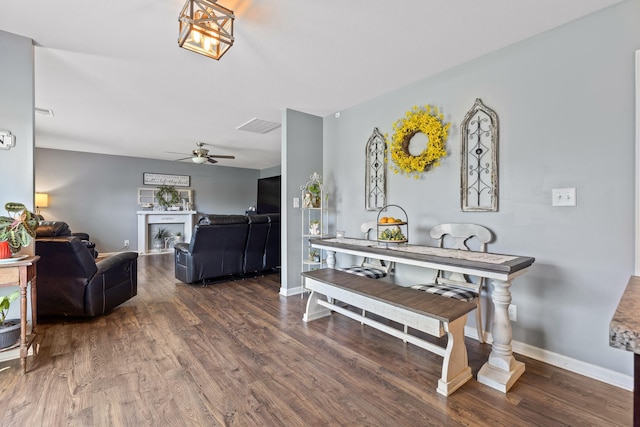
(287, 292)
(577, 366)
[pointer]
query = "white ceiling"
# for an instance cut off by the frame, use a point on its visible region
(118, 83)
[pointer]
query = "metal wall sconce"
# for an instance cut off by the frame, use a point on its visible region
(206, 28)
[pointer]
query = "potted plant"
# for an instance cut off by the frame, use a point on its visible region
(314, 191)
(159, 237)
(9, 329)
(18, 228)
(314, 256)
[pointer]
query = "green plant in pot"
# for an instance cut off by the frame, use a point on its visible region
(18, 228)
(9, 329)
(159, 237)
(314, 190)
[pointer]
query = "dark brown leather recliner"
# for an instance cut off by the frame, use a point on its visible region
(61, 229)
(229, 245)
(272, 248)
(254, 254)
(216, 249)
(71, 283)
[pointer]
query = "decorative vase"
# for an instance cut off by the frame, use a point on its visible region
(5, 250)
(9, 333)
(314, 229)
(158, 244)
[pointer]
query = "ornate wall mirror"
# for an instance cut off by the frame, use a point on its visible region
(479, 171)
(375, 172)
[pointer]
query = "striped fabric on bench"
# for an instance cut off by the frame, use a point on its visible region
(448, 291)
(370, 272)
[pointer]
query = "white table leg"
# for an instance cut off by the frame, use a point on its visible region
(502, 370)
(455, 366)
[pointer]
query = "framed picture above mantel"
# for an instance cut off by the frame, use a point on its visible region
(149, 178)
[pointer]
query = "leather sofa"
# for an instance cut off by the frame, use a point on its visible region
(229, 245)
(71, 283)
(61, 229)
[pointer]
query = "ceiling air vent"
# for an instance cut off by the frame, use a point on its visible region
(258, 126)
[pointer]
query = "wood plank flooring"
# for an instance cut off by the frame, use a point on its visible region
(238, 354)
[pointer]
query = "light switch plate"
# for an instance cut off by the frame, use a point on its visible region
(296, 202)
(563, 197)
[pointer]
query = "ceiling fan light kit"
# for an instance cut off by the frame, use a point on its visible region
(201, 155)
(206, 28)
(199, 160)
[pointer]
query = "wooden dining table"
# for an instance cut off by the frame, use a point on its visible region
(501, 370)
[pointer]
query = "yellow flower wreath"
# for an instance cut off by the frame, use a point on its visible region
(429, 121)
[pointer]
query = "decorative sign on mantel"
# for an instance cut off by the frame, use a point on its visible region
(163, 179)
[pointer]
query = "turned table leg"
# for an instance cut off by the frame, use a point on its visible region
(502, 370)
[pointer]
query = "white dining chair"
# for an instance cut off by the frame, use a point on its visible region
(456, 285)
(370, 267)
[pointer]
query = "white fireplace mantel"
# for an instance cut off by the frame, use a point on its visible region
(185, 218)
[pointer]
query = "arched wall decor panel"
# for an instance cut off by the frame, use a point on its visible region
(375, 172)
(479, 171)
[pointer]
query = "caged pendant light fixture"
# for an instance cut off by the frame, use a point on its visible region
(206, 28)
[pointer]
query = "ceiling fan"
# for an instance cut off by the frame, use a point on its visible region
(201, 155)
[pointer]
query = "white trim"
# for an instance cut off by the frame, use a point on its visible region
(558, 360)
(637, 186)
(287, 292)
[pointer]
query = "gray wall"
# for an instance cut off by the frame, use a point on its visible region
(565, 101)
(97, 193)
(17, 116)
(269, 172)
(301, 156)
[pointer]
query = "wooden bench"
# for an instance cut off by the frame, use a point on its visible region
(432, 314)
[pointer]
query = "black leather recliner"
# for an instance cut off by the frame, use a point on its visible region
(254, 253)
(61, 229)
(71, 283)
(272, 248)
(229, 245)
(216, 249)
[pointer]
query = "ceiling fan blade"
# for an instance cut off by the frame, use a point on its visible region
(212, 161)
(221, 156)
(185, 158)
(175, 152)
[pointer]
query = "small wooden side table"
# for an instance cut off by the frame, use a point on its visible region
(20, 273)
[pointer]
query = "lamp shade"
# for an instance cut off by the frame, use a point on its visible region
(42, 200)
(199, 160)
(206, 28)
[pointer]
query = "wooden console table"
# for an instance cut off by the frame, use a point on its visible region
(20, 273)
(502, 370)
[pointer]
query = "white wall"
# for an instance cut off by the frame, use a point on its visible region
(565, 100)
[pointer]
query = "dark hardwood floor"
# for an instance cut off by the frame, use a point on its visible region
(238, 354)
